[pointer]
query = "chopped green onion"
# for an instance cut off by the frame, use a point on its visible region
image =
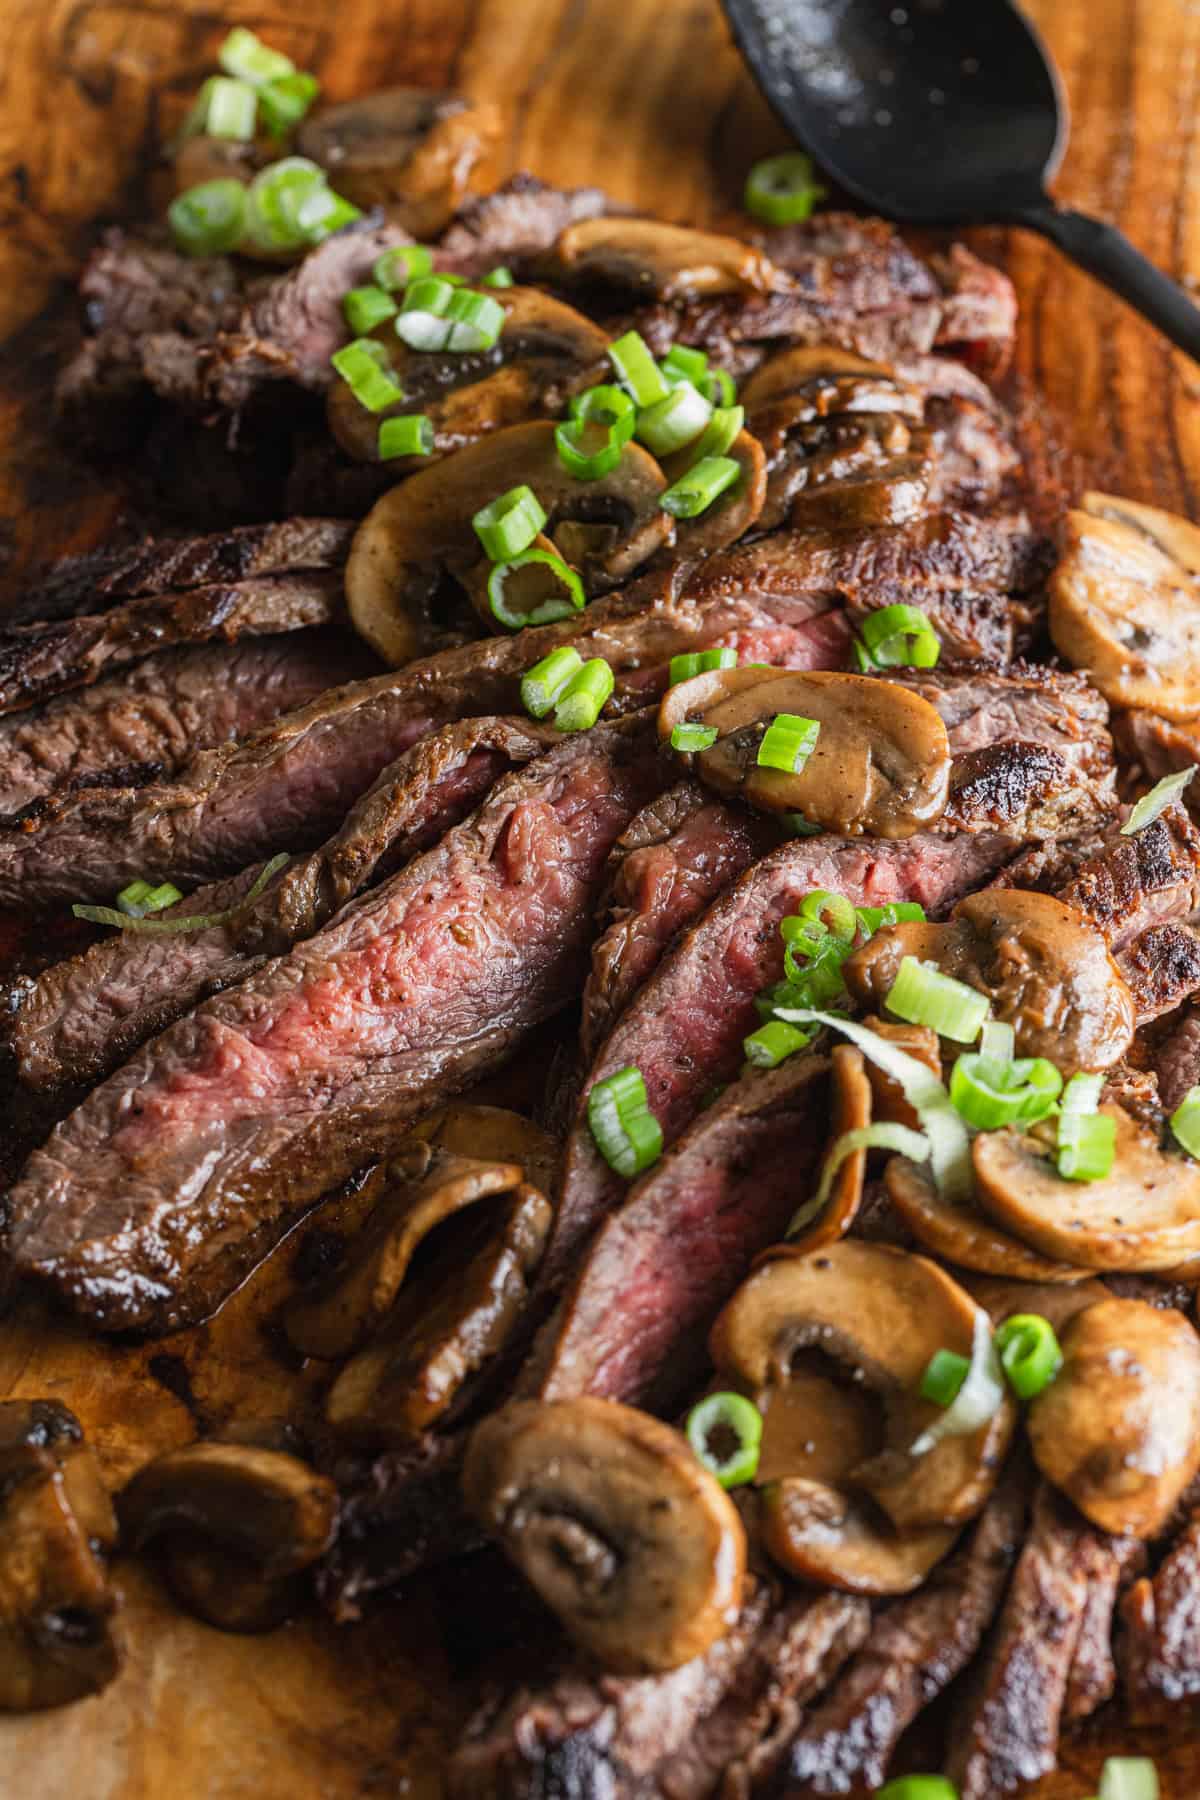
(584, 697)
(637, 369)
(1082, 1093)
(796, 825)
(405, 263)
(690, 736)
(626, 1133)
(922, 995)
(283, 103)
(409, 434)
(509, 524)
(700, 662)
(898, 912)
(422, 323)
(1029, 1353)
(717, 387)
(475, 320)
(820, 979)
(900, 1138)
(131, 897)
(210, 218)
(587, 465)
(767, 1047)
(862, 659)
(246, 56)
(718, 435)
(998, 1041)
(159, 898)
(703, 483)
(362, 365)
(291, 205)
(990, 1093)
(1087, 1144)
(917, 1787)
(546, 681)
(1128, 1778)
(900, 637)
(107, 915)
(322, 212)
(944, 1375)
(606, 405)
(230, 108)
(788, 743)
(978, 1398)
(1161, 795)
(725, 1431)
(834, 911)
(803, 937)
(367, 307)
(781, 190)
(683, 364)
(671, 423)
(499, 277)
(1185, 1121)
(560, 590)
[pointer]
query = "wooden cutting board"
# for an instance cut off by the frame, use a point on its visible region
(648, 98)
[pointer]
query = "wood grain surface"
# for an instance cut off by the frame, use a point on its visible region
(648, 98)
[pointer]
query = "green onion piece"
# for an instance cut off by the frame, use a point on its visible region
(637, 370)
(689, 736)
(246, 56)
(322, 212)
(107, 915)
(998, 1041)
(703, 483)
(475, 320)
(367, 307)
(819, 980)
(1087, 1145)
(1161, 795)
(130, 899)
(546, 681)
(671, 423)
(781, 190)
(717, 387)
(626, 1133)
(788, 743)
(834, 911)
(509, 524)
(700, 662)
(277, 201)
(924, 996)
(718, 435)
(944, 1375)
(683, 364)
(283, 103)
(587, 465)
(900, 637)
(862, 659)
(565, 595)
(396, 268)
(1029, 1353)
(767, 1047)
(408, 434)
(917, 1787)
(1128, 1778)
(499, 277)
(990, 1093)
(796, 825)
(230, 109)
(1082, 1093)
(900, 1138)
(584, 697)
(872, 918)
(803, 937)
(978, 1398)
(606, 405)
(159, 898)
(725, 1432)
(1185, 1122)
(208, 219)
(362, 366)
(422, 321)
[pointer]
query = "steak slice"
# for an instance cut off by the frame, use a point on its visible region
(1092, 1678)
(1160, 746)
(152, 717)
(1162, 967)
(1177, 1061)
(149, 1203)
(601, 1737)
(1151, 878)
(915, 1650)
(1159, 1643)
(675, 858)
(517, 222)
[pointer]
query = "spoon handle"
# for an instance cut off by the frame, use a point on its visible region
(1108, 255)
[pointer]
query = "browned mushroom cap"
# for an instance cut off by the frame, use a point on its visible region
(1125, 604)
(421, 530)
(608, 1514)
(546, 351)
(881, 764)
(962, 1234)
(493, 1133)
(1144, 1215)
(1118, 1429)
(1046, 969)
(409, 149)
(851, 1112)
(1059, 1303)
(841, 1540)
(668, 262)
(228, 1591)
(57, 1611)
(880, 1314)
(204, 158)
(733, 512)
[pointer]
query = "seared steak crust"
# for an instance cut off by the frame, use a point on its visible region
(1159, 1641)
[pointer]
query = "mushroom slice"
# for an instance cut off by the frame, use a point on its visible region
(410, 149)
(612, 1519)
(879, 1315)
(888, 1102)
(1125, 604)
(824, 1534)
(493, 1133)
(1046, 969)
(881, 764)
(664, 262)
(1143, 1216)
(733, 513)
(57, 1611)
(1118, 1429)
(829, 380)
(851, 1112)
(421, 530)
(460, 1315)
(228, 1591)
(961, 1234)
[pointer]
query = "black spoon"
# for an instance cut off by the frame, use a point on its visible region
(941, 112)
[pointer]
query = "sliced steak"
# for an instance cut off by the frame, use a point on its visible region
(916, 1649)
(600, 1737)
(1092, 1678)
(1162, 967)
(1159, 1643)
(399, 1513)
(1150, 878)
(150, 1201)
(976, 464)
(1177, 1060)
(152, 717)
(521, 220)
(1159, 746)
(675, 858)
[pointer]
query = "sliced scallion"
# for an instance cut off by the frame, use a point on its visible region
(404, 263)
(169, 896)
(131, 897)
(922, 995)
(499, 277)
(246, 56)
(509, 524)
(998, 1041)
(367, 307)
(1161, 795)
(1082, 1093)
(585, 696)
(1128, 1778)
(788, 742)
(637, 370)
(362, 365)
(978, 1398)
(990, 1093)
(551, 590)
(683, 364)
(586, 449)
(625, 1131)
(408, 434)
(545, 682)
(210, 218)
(606, 405)
(772, 1043)
(1029, 1353)
(725, 1432)
(882, 1136)
(1185, 1122)
(718, 388)
(230, 109)
(834, 911)
(671, 423)
(718, 435)
(421, 322)
(900, 637)
(284, 102)
(897, 912)
(782, 190)
(944, 1375)
(917, 1787)
(703, 483)
(1087, 1145)
(475, 321)
(690, 735)
(700, 662)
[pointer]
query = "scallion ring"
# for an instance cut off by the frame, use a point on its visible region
(725, 1432)
(509, 524)
(557, 590)
(990, 1093)
(917, 1787)
(284, 102)
(637, 369)
(546, 681)
(606, 405)
(404, 263)
(671, 423)
(703, 483)
(367, 307)
(475, 321)
(718, 389)
(944, 1375)
(1185, 1122)
(585, 696)
(773, 1043)
(362, 365)
(787, 743)
(1128, 1778)
(208, 219)
(1087, 1146)
(900, 637)
(230, 109)
(690, 736)
(625, 1131)
(246, 56)
(922, 995)
(782, 190)
(834, 911)
(408, 434)
(700, 662)
(586, 449)
(718, 435)
(682, 364)
(499, 277)
(897, 912)
(107, 915)
(1029, 1353)
(421, 322)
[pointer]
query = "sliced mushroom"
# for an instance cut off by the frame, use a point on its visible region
(57, 1611)
(881, 764)
(410, 149)
(546, 351)
(1125, 604)
(493, 1133)
(204, 158)
(1143, 1216)
(841, 1540)
(877, 1315)
(421, 530)
(1001, 1298)
(888, 1102)
(962, 1234)
(666, 262)
(1046, 969)
(830, 380)
(610, 1516)
(851, 1112)
(733, 513)
(1118, 1429)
